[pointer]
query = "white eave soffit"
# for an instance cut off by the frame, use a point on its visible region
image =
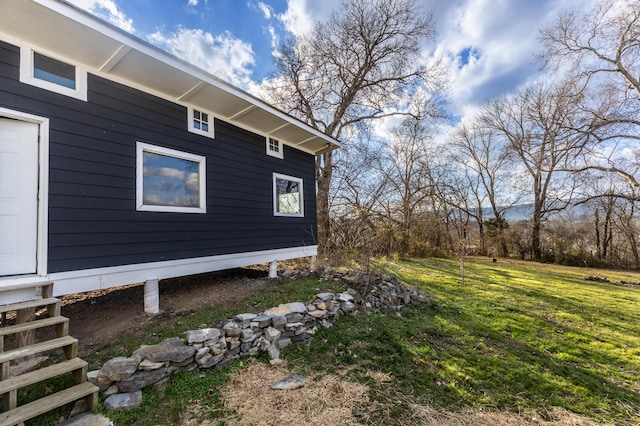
(63, 29)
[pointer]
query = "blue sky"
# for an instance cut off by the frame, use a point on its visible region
(488, 44)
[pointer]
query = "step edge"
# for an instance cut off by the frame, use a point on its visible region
(58, 342)
(48, 403)
(55, 370)
(29, 304)
(10, 329)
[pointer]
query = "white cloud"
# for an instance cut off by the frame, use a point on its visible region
(192, 184)
(107, 10)
(297, 18)
(498, 38)
(168, 172)
(193, 3)
(300, 15)
(222, 55)
(266, 10)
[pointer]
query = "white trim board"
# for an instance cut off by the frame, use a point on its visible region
(103, 49)
(102, 278)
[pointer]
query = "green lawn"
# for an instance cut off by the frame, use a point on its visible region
(517, 337)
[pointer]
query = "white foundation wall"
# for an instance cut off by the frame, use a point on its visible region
(102, 278)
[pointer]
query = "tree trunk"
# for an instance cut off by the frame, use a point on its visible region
(482, 238)
(504, 250)
(323, 177)
(634, 250)
(536, 251)
(608, 230)
(596, 216)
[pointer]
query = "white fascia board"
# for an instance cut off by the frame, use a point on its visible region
(135, 43)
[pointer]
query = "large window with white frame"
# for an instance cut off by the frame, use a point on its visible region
(168, 180)
(274, 148)
(200, 122)
(52, 73)
(288, 199)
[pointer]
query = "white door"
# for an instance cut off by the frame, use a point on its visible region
(18, 197)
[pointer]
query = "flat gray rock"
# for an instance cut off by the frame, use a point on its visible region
(172, 349)
(325, 297)
(272, 334)
(274, 353)
(202, 335)
(344, 297)
(121, 401)
(286, 308)
(87, 419)
(289, 383)
(141, 380)
(120, 368)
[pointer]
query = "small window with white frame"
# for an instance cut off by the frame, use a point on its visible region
(52, 73)
(200, 122)
(274, 148)
(288, 199)
(168, 180)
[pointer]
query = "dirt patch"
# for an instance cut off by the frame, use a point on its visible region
(97, 317)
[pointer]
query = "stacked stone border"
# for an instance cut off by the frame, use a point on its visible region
(123, 378)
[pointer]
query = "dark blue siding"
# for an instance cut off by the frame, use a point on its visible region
(93, 220)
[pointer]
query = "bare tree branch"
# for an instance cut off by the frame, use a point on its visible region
(356, 67)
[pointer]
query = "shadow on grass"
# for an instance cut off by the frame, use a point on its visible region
(502, 342)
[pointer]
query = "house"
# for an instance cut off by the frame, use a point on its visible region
(120, 163)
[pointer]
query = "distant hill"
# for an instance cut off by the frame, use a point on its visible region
(525, 211)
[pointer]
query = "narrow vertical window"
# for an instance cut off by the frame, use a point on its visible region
(274, 148)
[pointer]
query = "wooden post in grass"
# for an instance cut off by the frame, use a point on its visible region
(463, 247)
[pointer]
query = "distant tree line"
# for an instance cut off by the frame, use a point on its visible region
(563, 141)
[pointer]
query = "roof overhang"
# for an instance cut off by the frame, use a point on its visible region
(105, 50)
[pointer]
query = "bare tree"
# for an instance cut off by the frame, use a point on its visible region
(626, 222)
(539, 122)
(604, 227)
(409, 177)
(356, 202)
(485, 159)
(360, 65)
(601, 46)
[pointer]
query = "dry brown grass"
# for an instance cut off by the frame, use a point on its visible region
(333, 400)
(327, 401)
